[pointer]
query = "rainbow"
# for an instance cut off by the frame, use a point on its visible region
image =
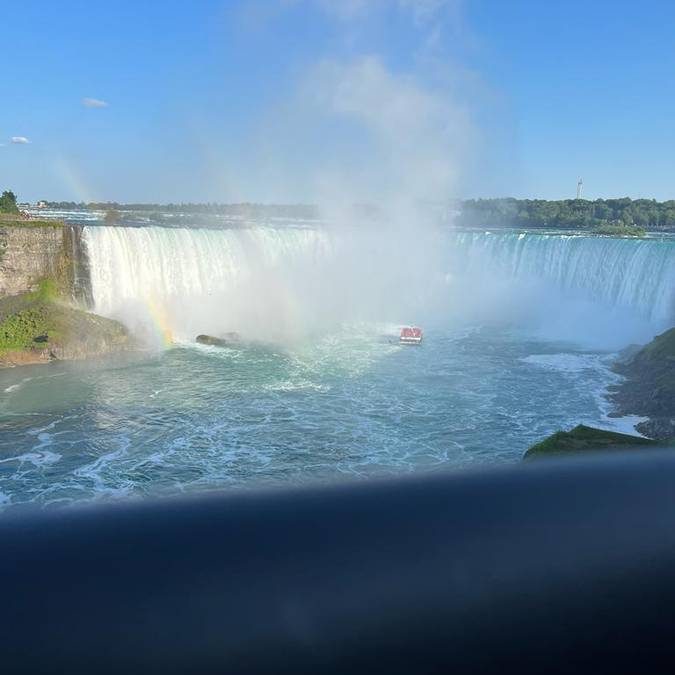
(72, 179)
(160, 322)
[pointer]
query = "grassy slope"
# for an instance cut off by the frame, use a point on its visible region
(31, 223)
(584, 439)
(35, 326)
(16, 221)
(24, 317)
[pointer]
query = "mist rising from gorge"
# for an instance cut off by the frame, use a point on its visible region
(382, 148)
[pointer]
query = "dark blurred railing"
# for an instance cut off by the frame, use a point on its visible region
(548, 568)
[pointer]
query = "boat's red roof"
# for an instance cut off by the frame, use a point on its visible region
(411, 332)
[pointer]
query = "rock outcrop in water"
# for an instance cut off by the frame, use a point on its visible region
(649, 387)
(39, 327)
(586, 439)
(227, 340)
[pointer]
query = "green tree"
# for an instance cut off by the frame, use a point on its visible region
(8, 202)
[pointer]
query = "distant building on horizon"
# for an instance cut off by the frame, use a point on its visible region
(580, 188)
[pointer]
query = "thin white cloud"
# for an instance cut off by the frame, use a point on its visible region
(347, 9)
(20, 140)
(423, 11)
(94, 103)
(426, 10)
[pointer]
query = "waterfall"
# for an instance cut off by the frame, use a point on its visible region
(617, 272)
(184, 281)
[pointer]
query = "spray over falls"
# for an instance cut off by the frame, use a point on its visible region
(280, 283)
(267, 283)
(177, 282)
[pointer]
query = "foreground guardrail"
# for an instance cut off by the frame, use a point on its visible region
(548, 568)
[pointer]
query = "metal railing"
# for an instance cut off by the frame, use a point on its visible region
(560, 566)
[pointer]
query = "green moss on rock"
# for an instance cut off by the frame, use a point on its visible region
(37, 327)
(586, 439)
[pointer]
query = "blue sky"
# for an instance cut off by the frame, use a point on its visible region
(274, 99)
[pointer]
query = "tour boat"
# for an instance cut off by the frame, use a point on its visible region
(410, 335)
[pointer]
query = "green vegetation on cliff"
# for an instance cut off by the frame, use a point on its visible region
(629, 216)
(8, 221)
(10, 216)
(585, 439)
(37, 327)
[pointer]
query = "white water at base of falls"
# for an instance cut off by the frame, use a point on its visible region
(274, 283)
(184, 281)
(267, 283)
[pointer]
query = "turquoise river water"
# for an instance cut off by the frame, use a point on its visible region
(508, 357)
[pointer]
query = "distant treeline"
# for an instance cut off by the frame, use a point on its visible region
(646, 214)
(601, 214)
(245, 210)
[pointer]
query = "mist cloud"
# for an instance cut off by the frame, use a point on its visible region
(355, 131)
(355, 125)
(414, 136)
(20, 140)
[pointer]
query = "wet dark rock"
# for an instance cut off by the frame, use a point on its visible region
(649, 387)
(227, 340)
(658, 427)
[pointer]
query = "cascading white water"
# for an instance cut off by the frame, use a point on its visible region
(184, 281)
(269, 282)
(632, 273)
(264, 282)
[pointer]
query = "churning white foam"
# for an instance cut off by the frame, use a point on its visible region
(594, 373)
